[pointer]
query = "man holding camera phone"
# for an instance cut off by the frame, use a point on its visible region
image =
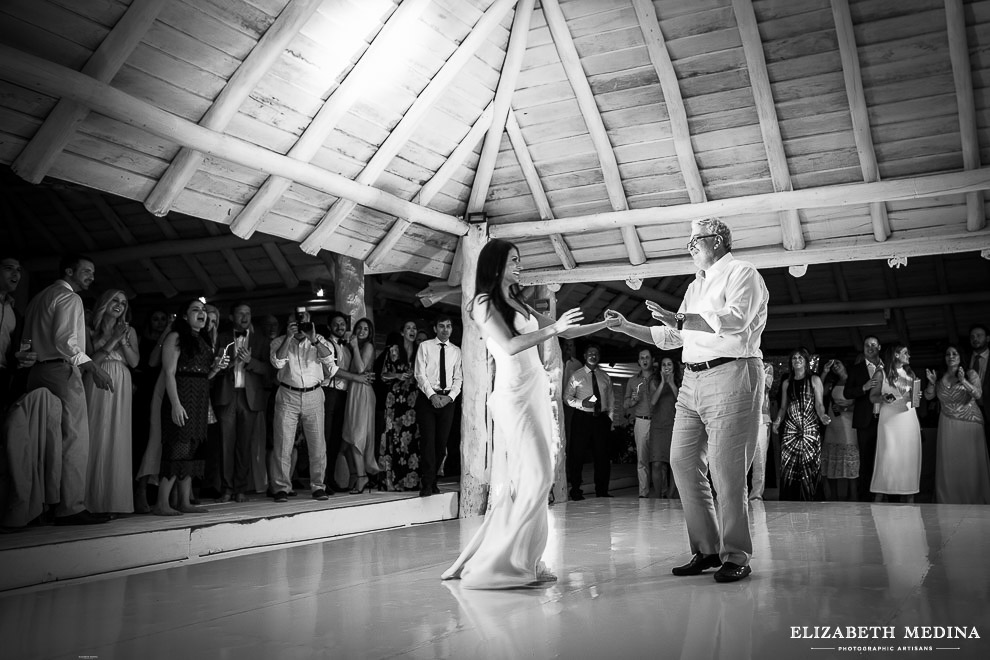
(303, 359)
(240, 400)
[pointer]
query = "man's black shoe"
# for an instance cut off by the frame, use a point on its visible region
(281, 496)
(732, 572)
(435, 490)
(576, 496)
(82, 518)
(321, 495)
(698, 564)
(425, 492)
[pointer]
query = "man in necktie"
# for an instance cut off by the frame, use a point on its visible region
(862, 377)
(588, 392)
(438, 376)
(241, 399)
(978, 363)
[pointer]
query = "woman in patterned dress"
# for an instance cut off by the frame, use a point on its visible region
(802, 412)
(962, 474)
(400, 439)
(187, 367)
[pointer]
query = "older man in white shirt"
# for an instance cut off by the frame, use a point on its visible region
(304, 360)
(719, 324)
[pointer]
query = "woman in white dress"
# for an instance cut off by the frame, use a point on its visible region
(897, 470)
(506, 551)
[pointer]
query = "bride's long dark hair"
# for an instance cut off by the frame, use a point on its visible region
(488, 281)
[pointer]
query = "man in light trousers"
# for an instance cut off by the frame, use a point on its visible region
(719, 324)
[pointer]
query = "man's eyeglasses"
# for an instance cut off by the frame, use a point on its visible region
(693, 243)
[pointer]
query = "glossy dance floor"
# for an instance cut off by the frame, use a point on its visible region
(379, 595)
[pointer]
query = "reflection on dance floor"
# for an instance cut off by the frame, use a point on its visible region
(380, 596)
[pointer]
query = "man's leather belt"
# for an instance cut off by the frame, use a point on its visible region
(53, 361)
(705, 366)
(299, 389)
(643, 417)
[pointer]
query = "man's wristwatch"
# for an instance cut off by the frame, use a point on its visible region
(679, 317)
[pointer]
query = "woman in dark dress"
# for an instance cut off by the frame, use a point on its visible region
(187, 367)
(400, 440)
(802, 411)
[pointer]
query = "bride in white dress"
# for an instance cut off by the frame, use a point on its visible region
(506, 551)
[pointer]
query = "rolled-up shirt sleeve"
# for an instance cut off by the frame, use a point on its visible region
(743, 300)
(276, 344)
(665, 337)
(329, 362)
(67, 339)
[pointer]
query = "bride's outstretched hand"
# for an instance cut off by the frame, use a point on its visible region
(569, 319)
(613, 319)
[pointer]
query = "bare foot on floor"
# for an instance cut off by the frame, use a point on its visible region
(193, 509)
(165, 511)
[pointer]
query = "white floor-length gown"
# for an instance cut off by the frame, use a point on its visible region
(506, 551)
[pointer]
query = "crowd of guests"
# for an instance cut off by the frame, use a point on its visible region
(202, 405)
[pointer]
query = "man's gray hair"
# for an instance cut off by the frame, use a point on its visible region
(718, 228)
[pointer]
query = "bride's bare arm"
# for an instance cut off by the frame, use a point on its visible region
(574, 331)
(492, 325)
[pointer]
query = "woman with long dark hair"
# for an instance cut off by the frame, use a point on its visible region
(897, 469)
(662, 402)
(802, 411)
(359, 412)
(187, 367)
(506, 551)
(400, 438)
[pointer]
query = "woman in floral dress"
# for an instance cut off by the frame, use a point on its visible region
(400, 440)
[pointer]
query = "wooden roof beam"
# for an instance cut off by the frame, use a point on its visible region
(656, 46)
(87, 241)
(281, 264)
(536, 187)
(254, 67)
(756, 64)
(335, 107)
(571, 62)
(807, 336)
(891, 283)
(41, 75)
(824, 251)
(855, 338)
(853, 78)
(205, 281)
(430, 189)
(501, 105)
(106, 211)
(962, 76)
(233, 262)
(410, 121)
(948, 316)
(847, 194)
(60, 125)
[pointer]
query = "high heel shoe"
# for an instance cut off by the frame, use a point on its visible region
(361, 486)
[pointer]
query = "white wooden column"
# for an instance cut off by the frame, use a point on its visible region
(476, 428)
(554, 364)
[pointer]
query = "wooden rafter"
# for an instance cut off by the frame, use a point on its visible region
(233, 262)
(501, 105)
(656, 46)
(756, 64)
(948, 316)
(118, 225)
(857, 109)
(86, 240)
(962, 76)
(281, 264)
(536, 187)
(37, 157)
(970, 298)
(410, 121)
(826, 251)
(430, 189)
(39, 74)
(205, 281)
(807, 337)
(892, 292)
(335, 107)
(254, 67)
(571, 62)
(855, 339)
(592, 298)
(849, 194)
